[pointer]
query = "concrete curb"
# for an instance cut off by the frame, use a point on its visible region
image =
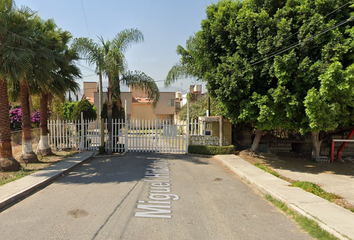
(13, 192)
(275, 187)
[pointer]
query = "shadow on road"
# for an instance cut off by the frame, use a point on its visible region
(127, 168)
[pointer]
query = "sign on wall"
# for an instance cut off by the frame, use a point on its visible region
(206, 141)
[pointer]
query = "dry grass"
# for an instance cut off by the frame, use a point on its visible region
(27, 169)
(300, 164)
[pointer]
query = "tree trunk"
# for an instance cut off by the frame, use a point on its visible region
(7, 162)
(316, 144)
(100, 102)
(109, 119)
(28, 156)
(43, 145)
(256, 140)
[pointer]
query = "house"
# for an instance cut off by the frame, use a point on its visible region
(89, 89)
(195, 92)
(139, 106)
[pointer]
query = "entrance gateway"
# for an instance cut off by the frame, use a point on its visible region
(131, 135)
(141, 135)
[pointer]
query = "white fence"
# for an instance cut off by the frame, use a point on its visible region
(74, 134)
(137, 135)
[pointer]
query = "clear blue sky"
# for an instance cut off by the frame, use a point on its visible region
(164, 23)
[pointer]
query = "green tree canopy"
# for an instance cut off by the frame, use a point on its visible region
(276, 63)
(87, 108)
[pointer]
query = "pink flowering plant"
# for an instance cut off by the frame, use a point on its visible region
(15, 117)
(35, 119)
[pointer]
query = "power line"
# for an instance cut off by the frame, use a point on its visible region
(83, 9)
(85, 67)
(89, 75)
(304, 41)
(296, 44)
(324, 17)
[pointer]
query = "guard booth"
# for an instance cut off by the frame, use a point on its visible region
(208, 132)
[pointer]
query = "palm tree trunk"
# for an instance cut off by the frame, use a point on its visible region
(109, 119)
(7, 162)
(28, 156)
(43, 145)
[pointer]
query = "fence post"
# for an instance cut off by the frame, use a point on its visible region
(126, 127)
(102, 132)
(82, 143)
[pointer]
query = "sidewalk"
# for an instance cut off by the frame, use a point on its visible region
(329, 216)
(14, 191)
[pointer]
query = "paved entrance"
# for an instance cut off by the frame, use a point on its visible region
(131, 135)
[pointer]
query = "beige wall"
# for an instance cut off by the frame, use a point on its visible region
(162, 107)
(138, 93)
(124, 96)
(227, 131)
(142, 111)
(127, 96)
(89, 89)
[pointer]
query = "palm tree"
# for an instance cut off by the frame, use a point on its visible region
(33, 77)
(110, 61)
(15, 59)
(61, 78)
(191, 63)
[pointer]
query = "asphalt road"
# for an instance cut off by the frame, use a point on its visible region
(147, 196)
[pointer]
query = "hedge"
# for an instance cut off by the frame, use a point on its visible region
(211, 150)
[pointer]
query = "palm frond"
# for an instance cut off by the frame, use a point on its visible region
(126, 38)
(139, 80)
(178, 71)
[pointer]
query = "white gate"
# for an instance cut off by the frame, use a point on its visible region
(138, 135)
(164, 136)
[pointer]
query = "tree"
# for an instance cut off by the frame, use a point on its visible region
(316, 78)
(280, 63)
(68, 109)
(60, 78)
(86, 108)
(116, 113)
(234, 35)
(15, 57)
(110, 61)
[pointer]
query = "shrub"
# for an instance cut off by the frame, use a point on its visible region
(211, 150)
(68, 109)
(16, 118)
(101, 150)
(36, 118)
(86, 107)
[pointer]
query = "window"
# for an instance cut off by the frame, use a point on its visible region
(171, 102)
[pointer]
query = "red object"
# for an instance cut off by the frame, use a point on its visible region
(343, 145)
